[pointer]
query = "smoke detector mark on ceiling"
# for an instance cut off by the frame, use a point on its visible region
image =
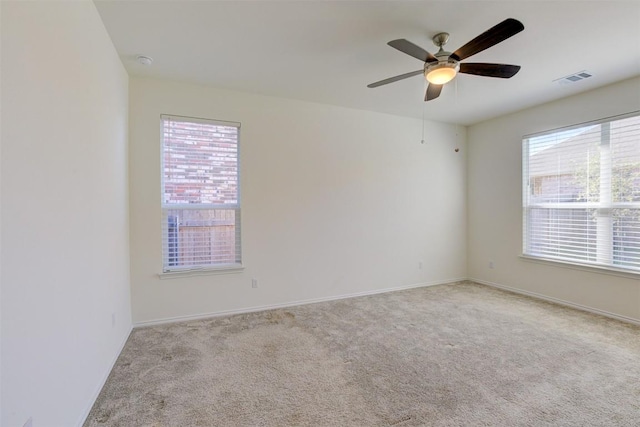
(572, 78)
(144, 60)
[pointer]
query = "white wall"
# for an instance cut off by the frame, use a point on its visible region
(64, 210)
(334, 202)
(0, 219)
(495, 200)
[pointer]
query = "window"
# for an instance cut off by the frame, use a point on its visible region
(581, 194)
(200, 194)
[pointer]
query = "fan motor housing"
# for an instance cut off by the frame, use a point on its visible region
(443, 61)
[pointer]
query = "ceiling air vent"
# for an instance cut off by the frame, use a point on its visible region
(572, 78)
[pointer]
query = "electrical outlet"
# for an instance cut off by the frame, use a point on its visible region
(490, 264)
(420, 265)
(113, 320)
(254, 283)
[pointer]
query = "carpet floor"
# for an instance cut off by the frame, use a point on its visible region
(452, 355)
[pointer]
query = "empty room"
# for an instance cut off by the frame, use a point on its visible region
(319, 213)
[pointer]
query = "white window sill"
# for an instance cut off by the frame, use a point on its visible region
(178, 274)
(612, 271)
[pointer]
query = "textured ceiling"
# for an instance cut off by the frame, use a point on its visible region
(328, 51)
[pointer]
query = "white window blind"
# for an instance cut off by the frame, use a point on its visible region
(581, 195)
(200, 194)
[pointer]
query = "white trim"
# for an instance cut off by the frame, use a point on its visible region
(203, 206)
(580, 205)
(205, 271)
(103, 381)
(187, 119)
(583, 124)
(591, 268)
(289, 304)
(559, 301)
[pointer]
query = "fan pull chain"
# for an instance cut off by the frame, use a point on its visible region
(456, 85)
(424, 105)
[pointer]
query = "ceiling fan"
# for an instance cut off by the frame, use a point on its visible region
(442, 67)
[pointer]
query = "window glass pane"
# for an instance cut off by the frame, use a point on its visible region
(626, 238)
(565, 166)
(200, 163)
(625, 155)
(563, 233)
(195, 237)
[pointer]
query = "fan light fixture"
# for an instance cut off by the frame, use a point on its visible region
(441, 73)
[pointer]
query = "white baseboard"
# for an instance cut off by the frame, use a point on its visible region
(85, 414)
(559, 301)
(288, 304)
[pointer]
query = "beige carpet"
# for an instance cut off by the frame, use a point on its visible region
(451, 355)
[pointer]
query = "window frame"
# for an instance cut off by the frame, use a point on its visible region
(168, 271)
(604, 208)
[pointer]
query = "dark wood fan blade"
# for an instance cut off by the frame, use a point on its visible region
(409, 48)
(507, 28)
(433, 91)
(396, 78)
(504, 71)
